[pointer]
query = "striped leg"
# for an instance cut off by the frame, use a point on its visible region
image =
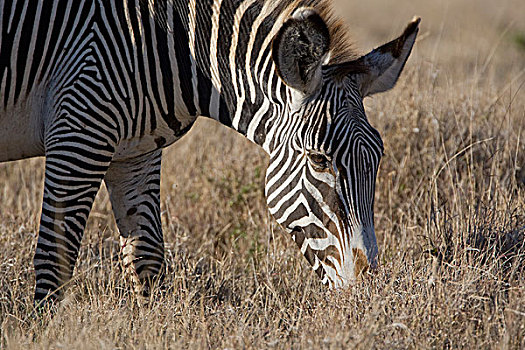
(134, 188)
(75, 167)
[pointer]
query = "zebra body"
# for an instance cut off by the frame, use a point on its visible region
(99, 87)
(81, 68)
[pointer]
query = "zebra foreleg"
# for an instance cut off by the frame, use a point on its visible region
(73, 173)
(134, 188)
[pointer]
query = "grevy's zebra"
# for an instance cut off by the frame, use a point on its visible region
(99, 87)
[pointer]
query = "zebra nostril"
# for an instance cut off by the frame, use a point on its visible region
(360, 262)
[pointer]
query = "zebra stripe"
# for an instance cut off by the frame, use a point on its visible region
(99, 87)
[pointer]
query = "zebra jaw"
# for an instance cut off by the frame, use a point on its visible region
(346, 264)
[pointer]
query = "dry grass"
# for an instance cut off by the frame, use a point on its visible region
(450, 219)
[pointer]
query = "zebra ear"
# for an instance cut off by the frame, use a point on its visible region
(384, 64)
(299, 49)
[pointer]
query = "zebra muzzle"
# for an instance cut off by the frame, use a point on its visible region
(360, 262)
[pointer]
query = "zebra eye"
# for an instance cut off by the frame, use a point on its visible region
(319, 160)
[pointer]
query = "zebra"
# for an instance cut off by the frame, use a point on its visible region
(100, 87)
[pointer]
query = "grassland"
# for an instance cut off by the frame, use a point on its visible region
(450, 218)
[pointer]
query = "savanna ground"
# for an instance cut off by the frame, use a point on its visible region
(449, 216)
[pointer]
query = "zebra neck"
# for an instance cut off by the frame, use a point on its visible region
(233, 74)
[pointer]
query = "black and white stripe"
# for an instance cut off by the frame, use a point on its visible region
(99, 87)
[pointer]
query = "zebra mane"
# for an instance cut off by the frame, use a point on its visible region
(341, 47)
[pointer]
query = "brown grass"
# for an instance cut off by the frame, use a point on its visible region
(450, 219)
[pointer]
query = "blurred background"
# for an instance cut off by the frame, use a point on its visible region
(469, 37)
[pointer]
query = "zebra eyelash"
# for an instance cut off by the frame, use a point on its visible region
(319, 160)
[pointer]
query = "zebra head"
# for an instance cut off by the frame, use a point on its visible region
(321, 179)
